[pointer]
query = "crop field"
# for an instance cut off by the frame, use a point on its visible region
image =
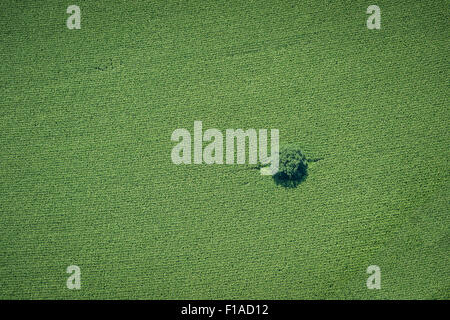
(86, 176)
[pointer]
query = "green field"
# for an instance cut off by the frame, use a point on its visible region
(86, 176)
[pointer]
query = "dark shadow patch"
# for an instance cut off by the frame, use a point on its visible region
(281, 179)
(109, 64)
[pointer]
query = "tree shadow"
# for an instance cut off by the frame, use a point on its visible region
(281, 179)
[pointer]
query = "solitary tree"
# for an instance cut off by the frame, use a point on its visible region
(293, 163)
